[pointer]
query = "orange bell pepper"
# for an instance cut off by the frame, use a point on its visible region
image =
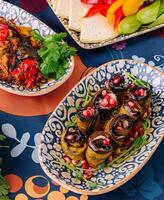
(112, 9)
(130, 7)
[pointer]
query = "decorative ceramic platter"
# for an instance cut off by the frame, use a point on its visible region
(76, 36)
(115, 176)
(21, 17)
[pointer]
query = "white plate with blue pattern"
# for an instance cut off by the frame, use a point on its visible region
(22, 17)
(115, 176)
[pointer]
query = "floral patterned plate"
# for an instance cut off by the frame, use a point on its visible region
(118, 174)
(24, 18)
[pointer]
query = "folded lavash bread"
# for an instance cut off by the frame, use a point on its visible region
(76, 13)
(62, 8)
(96, 29)
(54, 3)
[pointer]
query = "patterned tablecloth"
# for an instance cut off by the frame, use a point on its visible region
(22, 119)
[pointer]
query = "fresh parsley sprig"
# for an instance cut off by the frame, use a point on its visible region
(54, 55)
(37, 36)
(136, 80)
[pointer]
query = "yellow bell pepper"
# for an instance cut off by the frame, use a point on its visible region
(130, 7)
(112, 9)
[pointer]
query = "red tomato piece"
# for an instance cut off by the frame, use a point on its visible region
(3, 31)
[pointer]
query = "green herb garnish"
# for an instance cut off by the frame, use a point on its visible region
(79, 174)
(72, 122)
(101, 166)
(37, 36)
(4, 187)
(85, 100)
(136, 80)
(92, 185)
(54, 55)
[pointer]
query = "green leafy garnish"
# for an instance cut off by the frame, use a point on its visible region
(4, 187)
(37, 36)
(2, 137)
(72, 122)
(92, 185)
(145, 124)
(101, 166)
(85, 100)
(139, 142)
(54, 55)
(79, 174)
(136, 80)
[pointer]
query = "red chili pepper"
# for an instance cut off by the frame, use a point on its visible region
(118, 16)
(3, 31)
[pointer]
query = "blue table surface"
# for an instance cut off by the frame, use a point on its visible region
(147, 184)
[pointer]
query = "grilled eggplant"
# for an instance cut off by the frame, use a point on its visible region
(73, 142)
(99, 148)
(116, 84)
(139, 94)
(131, 108)
(88, 119)
(118, 129)
(106, 102)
